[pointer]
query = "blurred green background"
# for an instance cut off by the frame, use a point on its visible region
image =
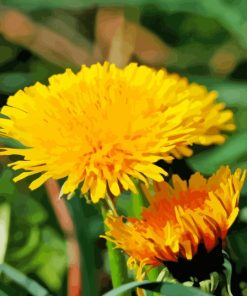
(205, 40)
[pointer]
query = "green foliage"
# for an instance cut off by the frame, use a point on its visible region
(83, 215)
(34, 246)
(163, 288)
(11, 82)
(31, 286)
(233, 153)
(32, 242)
(228, 272)
(238, 245)
(7, 53)
(4, 229)
(210, 285)
(3, 293)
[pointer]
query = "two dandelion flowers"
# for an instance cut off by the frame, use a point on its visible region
(103, 131)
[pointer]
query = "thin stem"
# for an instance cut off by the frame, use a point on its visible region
(153, 275)
(73, 250)
(138, 201)
(111, 205)
(119, 272)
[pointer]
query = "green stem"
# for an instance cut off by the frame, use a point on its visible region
(152, 276)
(80, 212)
(138, 201)
(119, 271)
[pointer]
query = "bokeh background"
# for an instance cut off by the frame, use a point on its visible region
(56, 242)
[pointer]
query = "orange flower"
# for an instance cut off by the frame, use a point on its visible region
(180, 218)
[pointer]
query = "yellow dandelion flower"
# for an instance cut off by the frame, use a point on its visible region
(104, 125)
(213, 117)
(180, 218)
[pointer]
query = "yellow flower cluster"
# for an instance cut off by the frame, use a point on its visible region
(104, 126)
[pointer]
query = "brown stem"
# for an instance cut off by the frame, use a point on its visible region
(18, 28)
(119, 39)
(67, 226)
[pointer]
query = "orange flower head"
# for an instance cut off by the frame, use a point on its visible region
(180, 218)
(103, 126)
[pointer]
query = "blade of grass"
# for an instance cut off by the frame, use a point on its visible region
(79, 210)
(4, 229)
(2, 293)
(163, 288)
(21, 279)
(228, 272)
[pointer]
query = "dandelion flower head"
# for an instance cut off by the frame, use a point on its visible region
(103, 126)
(180, 218)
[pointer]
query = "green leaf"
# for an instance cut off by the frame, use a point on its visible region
(7, 54)
(11, 82)
(210, 285)
(82, 214)
(52, 251)
(35, 246)
(215, 279)
(4, 229)
(209, 161)
(243, 215)
(205, 285)
(7, 186)
(123, 204)
(30, 245)
(238, 247)
(228, 15)
(228, 272)
(163, 288)
(2, 293)
(153, 275)
(32, 210)
(30, 285)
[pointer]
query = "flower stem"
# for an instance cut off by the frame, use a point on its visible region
(111, 205)
(138, 201)
(119, 272)
(152, 276)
